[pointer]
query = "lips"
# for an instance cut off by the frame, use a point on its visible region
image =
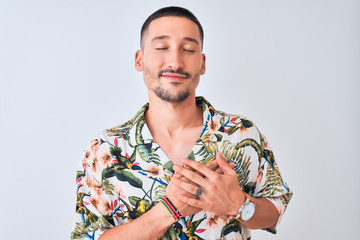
(174, 76)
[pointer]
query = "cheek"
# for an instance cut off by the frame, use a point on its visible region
(153, 61)
(196, 64)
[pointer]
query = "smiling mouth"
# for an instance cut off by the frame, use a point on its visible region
(174, 76)
(178, 75)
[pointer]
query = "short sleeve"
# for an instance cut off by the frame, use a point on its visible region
(270, 184)
(92, 202)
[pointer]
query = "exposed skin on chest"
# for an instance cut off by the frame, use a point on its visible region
(179, 145)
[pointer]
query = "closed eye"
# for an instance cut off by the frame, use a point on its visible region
(160, 48)
(188, 50)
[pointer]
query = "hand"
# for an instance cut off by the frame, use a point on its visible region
(172, 191)
(221, 191)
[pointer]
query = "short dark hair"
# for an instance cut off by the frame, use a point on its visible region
(171, 11)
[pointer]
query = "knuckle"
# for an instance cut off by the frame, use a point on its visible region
(216, 177)
(212, 188)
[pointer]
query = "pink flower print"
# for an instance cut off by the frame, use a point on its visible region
(105, 158)
(93, 165)
(94, 145)
(105, 207)
(213, 126)
(154, 170)
(243, 130)
(96, 186)
(85, 159)
(120, 191)
(88, 182)
(94, 201)
(212, 221)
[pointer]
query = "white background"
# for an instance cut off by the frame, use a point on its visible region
(67, 72)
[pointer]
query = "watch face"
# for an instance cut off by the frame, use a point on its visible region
(248, 211)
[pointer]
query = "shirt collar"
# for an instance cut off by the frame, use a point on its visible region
(208, 114)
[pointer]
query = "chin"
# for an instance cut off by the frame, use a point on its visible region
(171, 97)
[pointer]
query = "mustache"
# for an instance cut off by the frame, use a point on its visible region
(179, 71)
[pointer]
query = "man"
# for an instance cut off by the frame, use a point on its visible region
(179, 169)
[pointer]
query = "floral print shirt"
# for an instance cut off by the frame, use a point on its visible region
(124, 173)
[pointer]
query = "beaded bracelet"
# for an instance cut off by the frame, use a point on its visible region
(172, 209)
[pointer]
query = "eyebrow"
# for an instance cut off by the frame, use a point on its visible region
(161, 37)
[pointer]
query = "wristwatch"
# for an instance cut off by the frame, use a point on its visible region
(246, 210)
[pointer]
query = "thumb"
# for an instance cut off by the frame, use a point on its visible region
(226, 167)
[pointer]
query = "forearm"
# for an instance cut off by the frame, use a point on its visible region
(151, 225)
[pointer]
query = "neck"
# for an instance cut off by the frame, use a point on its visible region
(170, 119)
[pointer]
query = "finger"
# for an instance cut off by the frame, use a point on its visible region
(224, 165)
(213, 165)
(177, 175)
(190, 201)
(199, 167)
(188, 187)
(194, 176)
(187, 167)
(219, 171)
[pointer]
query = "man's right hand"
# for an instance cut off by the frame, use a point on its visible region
(172, 191)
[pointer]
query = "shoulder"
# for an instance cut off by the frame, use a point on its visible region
(232, 122)
(123, 130)
(237, 128)
(235, 118)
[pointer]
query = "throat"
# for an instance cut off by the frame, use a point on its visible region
(176, 130)
(178, 146)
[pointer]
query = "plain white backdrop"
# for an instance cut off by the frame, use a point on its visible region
(67, 72)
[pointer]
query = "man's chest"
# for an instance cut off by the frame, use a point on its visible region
(178, 146)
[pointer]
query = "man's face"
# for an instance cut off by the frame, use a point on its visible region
(171, 58)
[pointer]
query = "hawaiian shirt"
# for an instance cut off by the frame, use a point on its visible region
(124, 173)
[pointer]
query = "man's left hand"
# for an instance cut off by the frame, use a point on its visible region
(220, 190)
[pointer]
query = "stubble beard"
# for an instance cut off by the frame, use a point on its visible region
(167, 95)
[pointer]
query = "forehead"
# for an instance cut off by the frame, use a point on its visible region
(174, 27)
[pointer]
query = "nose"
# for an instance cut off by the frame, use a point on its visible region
(175, 60)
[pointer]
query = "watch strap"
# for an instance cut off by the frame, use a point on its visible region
(251, 199)
(247, 200)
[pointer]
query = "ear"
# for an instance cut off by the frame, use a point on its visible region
(138, 60)
(203, 64)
